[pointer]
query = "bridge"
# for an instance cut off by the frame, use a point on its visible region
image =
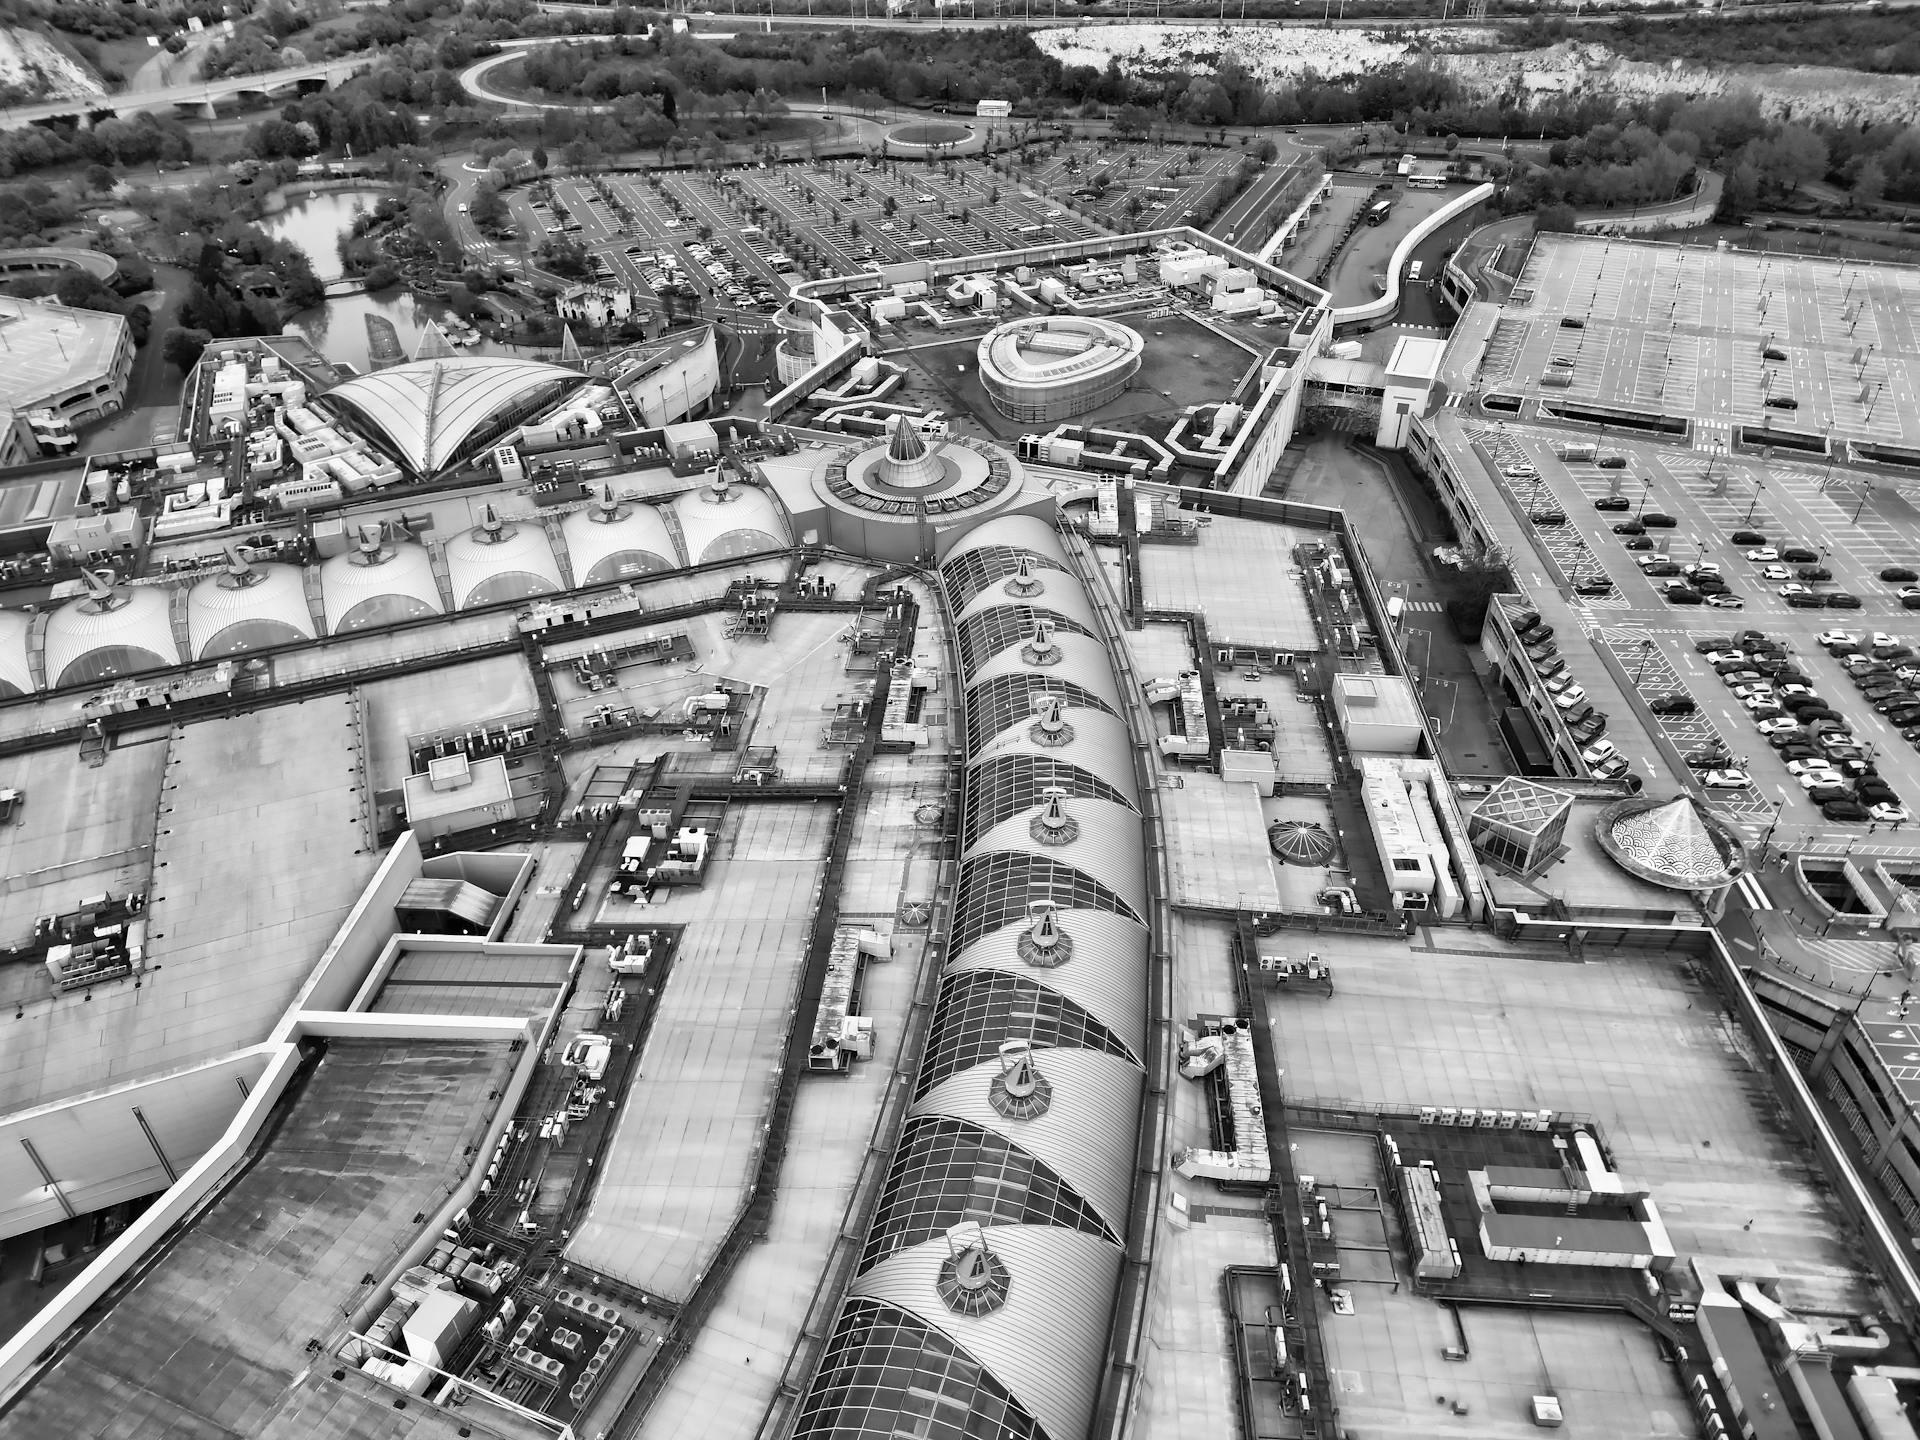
(199, 96)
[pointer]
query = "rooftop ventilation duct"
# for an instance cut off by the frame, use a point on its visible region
(1022, 581)
(492, 530)
(1043, 944)
(240, 573)
(102, 596)
(973, 1280)
(1042, 648)
(1051, 729)
(1020, 1091)
(1053, 825)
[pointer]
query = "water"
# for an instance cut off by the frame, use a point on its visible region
(338, 329)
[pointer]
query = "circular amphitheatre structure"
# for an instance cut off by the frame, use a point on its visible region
(929, 135)
(1058, 366)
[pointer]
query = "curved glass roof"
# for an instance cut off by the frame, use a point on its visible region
(16, 674)
(432, 412)
(229, 614)
(884, 1364)
(742, 521)
(361, 596)
(133, 632)
(1048, 1180)
(507, 563)
(612, 544)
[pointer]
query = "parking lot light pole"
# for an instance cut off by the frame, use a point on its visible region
(1646, 489)
(1646, 654)
(1866, 489)
(1754, 504)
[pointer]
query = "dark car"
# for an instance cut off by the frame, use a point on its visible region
(1827, 794)
(1846, 647)
(1589, 730)
(1612, 502)
(1639, 542)
(1572, 322)
(1812, 574)
(1660, 569)
(1629, 527)
(1851, 810)
(1672, 705)
(1910, 602)
(1747, 537)
(1792, 747)
(1710, 585)
(1904, 717)
(1808, 602)
(1654, 520)
(1684, 595)
(1873, 787)
(1709, 759)
(1892, 652)
(1705, 644)
(1795, 704)
(1814, 713)
(1525, 620)
(1597, 586)
(1536, 633)
(1782, 402)
(1841, 600)
(1898, 572)
(1894, 704)
(1751, 638)
(1612, 462)
(1550, 665)
(1548, 517)
(1799, 555)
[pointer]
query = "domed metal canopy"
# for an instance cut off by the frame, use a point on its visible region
(1671, 842)
(1301, 842)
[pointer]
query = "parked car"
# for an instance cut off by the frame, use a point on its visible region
(1806, 600)
(1678, 594)
(1548, 517)
(1590, 729)
(1672, 705)
(1710, 758)
(1614, 767)
(1764, 553)
(1629, 527)
(1638, 542)
(1898, 572)
(1779, 726)
(1839, 637)
(1843, 600)
(1782, 402)
(1654, 520)
(1888, 813)
(1726, 779)
(1599, 751)
(1827, 794)
(1726, 601)
(1813, 574)
(1747, 537)
(1707, 644)
(1593, 586)
(1844, 810)
(1612, 502)
(1660, 569)
(1799, 555)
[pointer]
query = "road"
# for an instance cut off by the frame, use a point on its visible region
(198, 92)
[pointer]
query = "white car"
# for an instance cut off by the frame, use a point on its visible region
(1705, 567)
(1569, 697)
(1726, 779)
(1776, 572)
(1891, 814)
(1764, 553)
(1785, 590)
(1839, 637)
(1598, 751)
(1521, 472)
(1797, 768)
(1779, 725)
(1814, 779)
(1880, 637)
(1722, 657)
(1726, 602)
(1611, 768)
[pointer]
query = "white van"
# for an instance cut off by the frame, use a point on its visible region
(1413, 270)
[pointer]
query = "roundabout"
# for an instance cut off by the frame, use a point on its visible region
(931, 135)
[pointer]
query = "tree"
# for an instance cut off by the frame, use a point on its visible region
(99, 177)
(182, 347)
(1266, 152)
(1557, 217)
(540, 157)
(1869, 182)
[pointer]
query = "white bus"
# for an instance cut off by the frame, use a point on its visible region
(1406, 164)
(1425, 182)
(993, 109)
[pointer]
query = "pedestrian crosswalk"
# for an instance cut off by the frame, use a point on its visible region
(1423, 607)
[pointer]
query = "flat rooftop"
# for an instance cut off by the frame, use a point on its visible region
(268, 797)
(1631, 1042)
(50, 348)
(212, 1340)
(1241, 578)
(1683, 331)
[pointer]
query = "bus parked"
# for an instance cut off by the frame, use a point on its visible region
(1379, 211)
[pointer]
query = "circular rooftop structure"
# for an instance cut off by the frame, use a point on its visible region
(499, 560)
(1057, 366)
(903, 477)
(1673, 843)
(617, 540)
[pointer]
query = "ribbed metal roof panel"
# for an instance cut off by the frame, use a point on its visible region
(1106, 976)
(85, 642)
(480, 565)
(635, 533)
(1083, 660)
(275, 598)
(1107, 847)
(1095, 1095)
(427, 409)
(743, 521)
(1047, 1344)
(1101, 743)
(1062, 595)
(1022, 532)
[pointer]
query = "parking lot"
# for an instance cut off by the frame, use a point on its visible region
(1135, 184)
(1721, 339)
(1711, 497)
(764, 228)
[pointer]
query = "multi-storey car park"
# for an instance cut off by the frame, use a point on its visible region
(538, 913)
